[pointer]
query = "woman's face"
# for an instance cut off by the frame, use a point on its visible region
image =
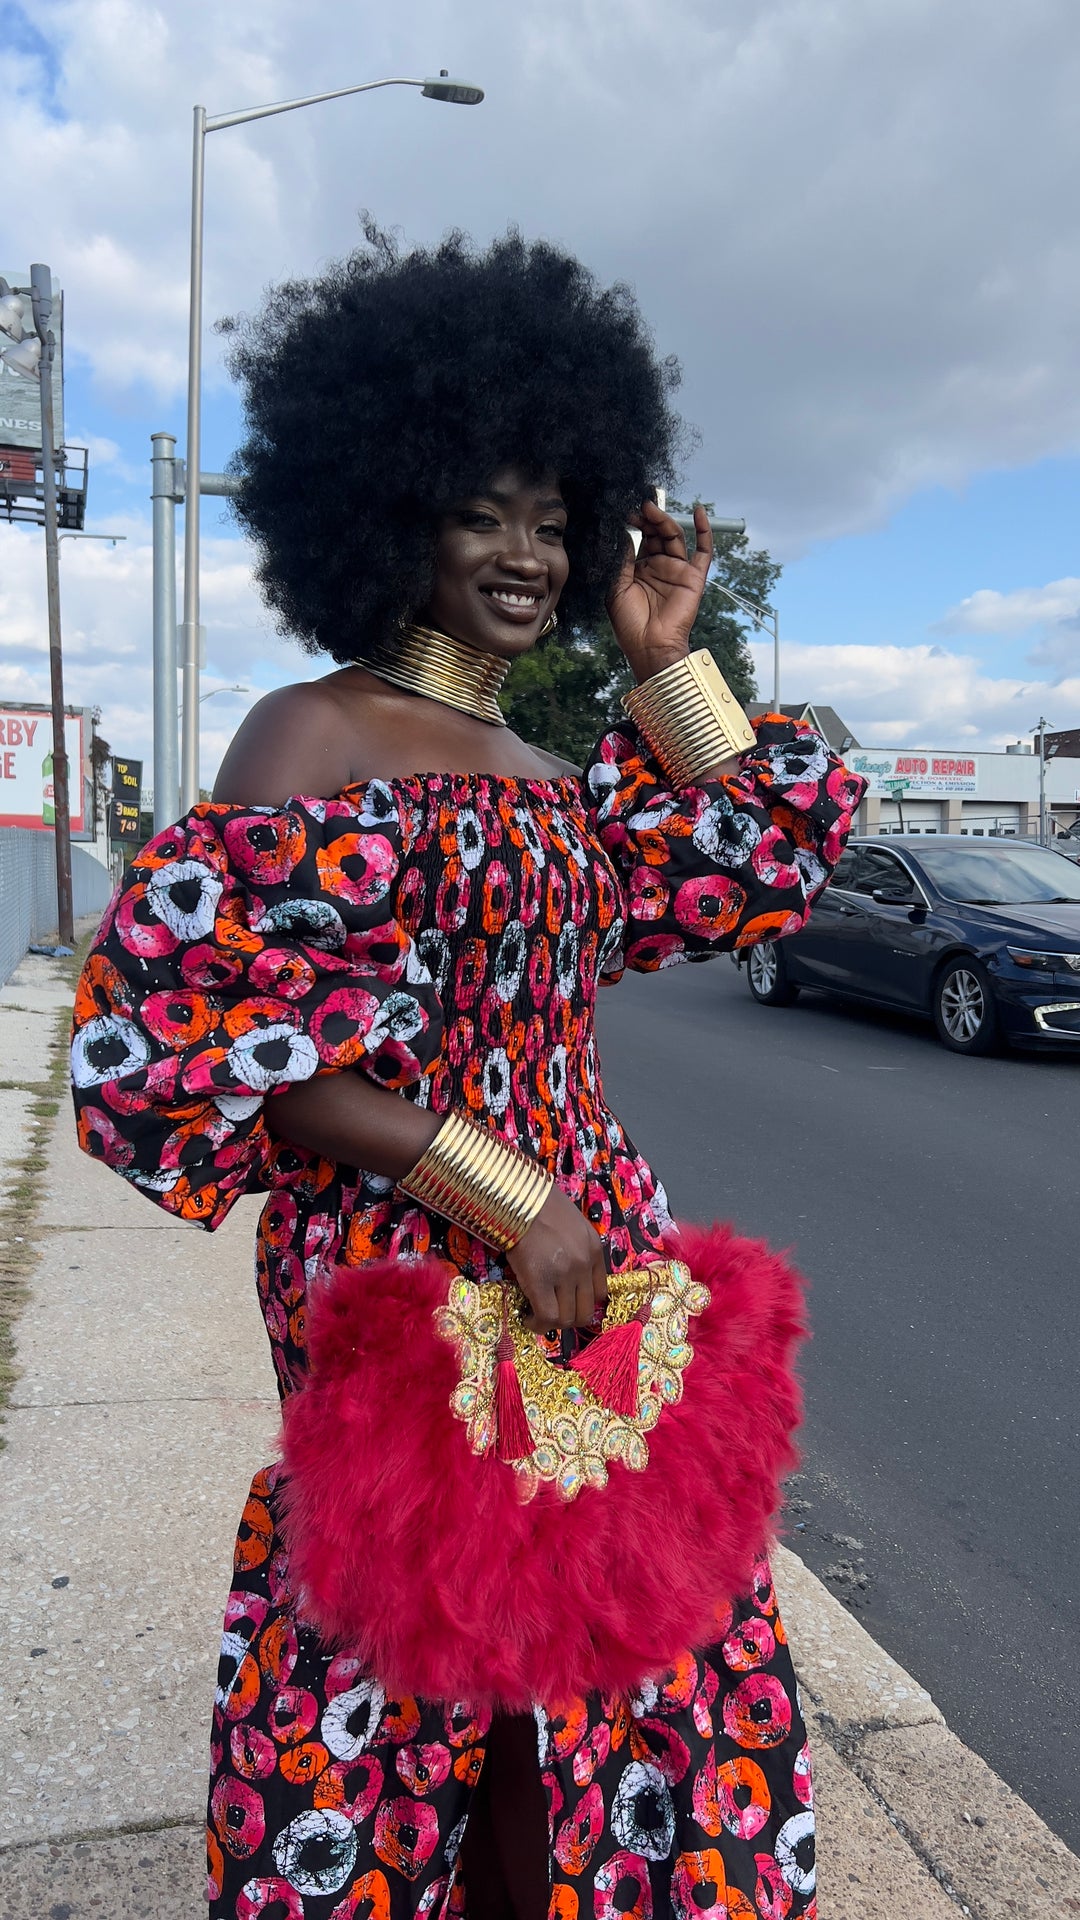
(501, 564)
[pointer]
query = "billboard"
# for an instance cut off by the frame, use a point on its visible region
(126, 799)
(20, 397)
(915, 773)
(26, 785)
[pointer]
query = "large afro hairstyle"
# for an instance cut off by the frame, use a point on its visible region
(398, 383)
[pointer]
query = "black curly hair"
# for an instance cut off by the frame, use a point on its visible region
(398, 383)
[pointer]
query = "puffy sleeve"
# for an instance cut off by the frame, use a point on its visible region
(247, 949)
(727, 863)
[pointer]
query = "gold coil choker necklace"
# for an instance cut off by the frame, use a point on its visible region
(439, 667)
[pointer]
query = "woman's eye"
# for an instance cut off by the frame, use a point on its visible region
(553, 530)
(474, 517)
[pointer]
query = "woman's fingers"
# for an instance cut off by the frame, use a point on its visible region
(600, 1278)
(544, 1306)
(568, 1301)
(663, 569)
(664, 536)
(585, 1309)
(660, 533)
(702, 557)
(566, 1292)
(558, 1264)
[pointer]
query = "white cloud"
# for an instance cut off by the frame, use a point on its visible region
(918, 696)
(871, 287)
(1011, 613)
(854, 222)
(107, 635)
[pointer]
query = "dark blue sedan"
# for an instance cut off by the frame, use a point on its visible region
(982, 937)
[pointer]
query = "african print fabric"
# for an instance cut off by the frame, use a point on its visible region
(445, 934)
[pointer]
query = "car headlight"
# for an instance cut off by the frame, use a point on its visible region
(1043, 962)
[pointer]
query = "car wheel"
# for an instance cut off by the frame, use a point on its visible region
(964, 1012)
(767, 973)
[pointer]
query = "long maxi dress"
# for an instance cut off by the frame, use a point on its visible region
(445, 934)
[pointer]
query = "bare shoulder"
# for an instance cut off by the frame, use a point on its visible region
(562, 769)
(298, 739)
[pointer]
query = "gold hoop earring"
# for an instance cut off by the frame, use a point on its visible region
(549, 626)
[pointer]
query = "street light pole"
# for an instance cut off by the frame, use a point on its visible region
(42, 298)
(457, 93)
(190, 635)
(766, 617)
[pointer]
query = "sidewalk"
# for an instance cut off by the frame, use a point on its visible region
(143, 1404)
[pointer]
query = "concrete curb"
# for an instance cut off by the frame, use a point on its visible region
(112, 1655)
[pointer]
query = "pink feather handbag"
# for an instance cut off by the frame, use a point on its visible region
(477, 1523)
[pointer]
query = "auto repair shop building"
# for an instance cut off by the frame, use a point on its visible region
(949, 791)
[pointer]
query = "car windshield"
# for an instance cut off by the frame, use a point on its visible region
(1001, 875)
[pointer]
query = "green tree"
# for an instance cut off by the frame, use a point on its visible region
(564, 693)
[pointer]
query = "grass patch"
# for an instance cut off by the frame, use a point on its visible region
(21, 1195)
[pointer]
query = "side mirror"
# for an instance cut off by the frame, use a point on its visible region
(892, 897)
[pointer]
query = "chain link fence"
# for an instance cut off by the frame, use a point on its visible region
(28, 891)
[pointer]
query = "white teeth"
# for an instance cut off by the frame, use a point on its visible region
(513, 599)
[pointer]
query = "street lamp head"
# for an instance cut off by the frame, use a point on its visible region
(24, 357)
(458, 92)
(12, 312)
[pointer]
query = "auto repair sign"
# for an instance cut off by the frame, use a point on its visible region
(26, 776)
(929, 773)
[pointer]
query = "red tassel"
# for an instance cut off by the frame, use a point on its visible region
(609, 1364)
(513, 1435)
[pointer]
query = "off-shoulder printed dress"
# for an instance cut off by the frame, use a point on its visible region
(445, 934)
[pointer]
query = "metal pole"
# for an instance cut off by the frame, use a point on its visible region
(776, 660)
(189, 773)
(41, 284)
(1042, 783)
(163, 493)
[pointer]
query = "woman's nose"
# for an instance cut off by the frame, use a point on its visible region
(519, 554)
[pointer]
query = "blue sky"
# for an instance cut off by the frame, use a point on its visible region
(855, 226)
(893, 586)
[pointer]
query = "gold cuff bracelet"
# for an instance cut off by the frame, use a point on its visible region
(690, 718)
(481, 1183)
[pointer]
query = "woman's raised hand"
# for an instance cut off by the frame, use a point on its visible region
(654, 602)
(559, 1266)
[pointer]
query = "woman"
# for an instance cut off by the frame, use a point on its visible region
(322, 997)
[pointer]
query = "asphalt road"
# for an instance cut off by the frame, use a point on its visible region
(934, 1204)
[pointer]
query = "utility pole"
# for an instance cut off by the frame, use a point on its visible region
(1041, 730)
(41, 295)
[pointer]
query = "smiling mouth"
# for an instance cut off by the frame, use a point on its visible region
(515, 600)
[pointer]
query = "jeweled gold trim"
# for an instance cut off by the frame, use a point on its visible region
(440, 667)
(690, 718)
(575, 1437)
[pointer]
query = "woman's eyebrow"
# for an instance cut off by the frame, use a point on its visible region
(542, 506)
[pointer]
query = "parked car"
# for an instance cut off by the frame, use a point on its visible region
(1068, 842)
(982, 937)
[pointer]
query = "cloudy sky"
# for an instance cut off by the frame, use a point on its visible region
(855, 221)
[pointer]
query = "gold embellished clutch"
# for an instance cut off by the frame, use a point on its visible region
(476, 1520)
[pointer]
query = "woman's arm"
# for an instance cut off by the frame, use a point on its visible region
(344, 1118)
(558, 1264)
